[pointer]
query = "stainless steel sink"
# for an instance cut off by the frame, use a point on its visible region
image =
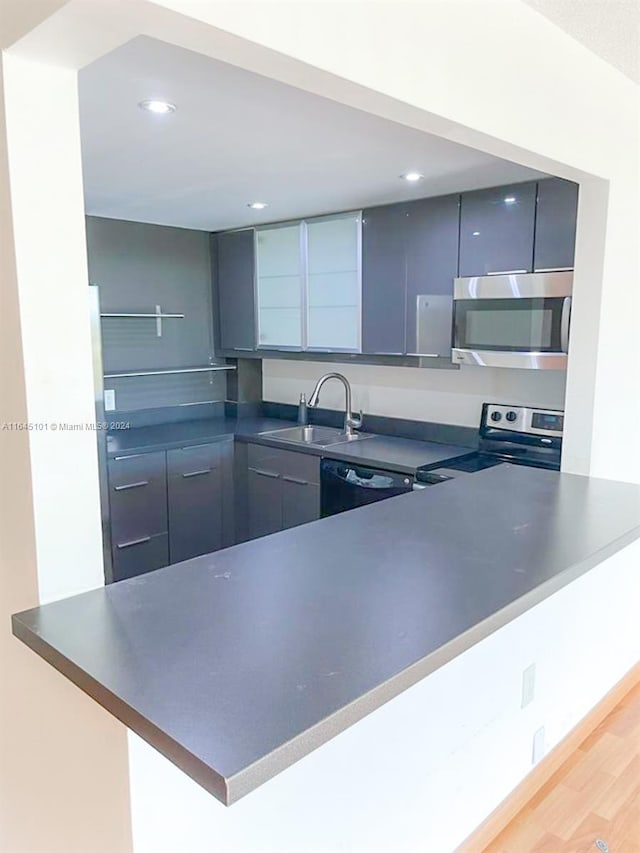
(316, 435)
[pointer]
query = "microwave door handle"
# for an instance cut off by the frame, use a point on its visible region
(564, 324)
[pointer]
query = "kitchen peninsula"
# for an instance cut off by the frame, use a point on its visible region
(237, 664)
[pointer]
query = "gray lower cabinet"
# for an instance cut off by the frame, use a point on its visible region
(497, 229)
(195, 477)
(264, 502)
(138, 509)
(170, 506)
(282, 490)
(556, 215)
(233, 257)
(300, 501)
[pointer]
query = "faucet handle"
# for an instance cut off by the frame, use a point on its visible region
(356, 422)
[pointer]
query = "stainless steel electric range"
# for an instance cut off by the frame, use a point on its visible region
(515, 434)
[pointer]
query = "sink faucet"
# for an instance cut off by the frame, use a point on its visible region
(350, 423)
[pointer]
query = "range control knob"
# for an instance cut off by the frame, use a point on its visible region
(496, 416)
(511, 416)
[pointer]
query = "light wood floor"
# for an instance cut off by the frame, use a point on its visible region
(594, 795)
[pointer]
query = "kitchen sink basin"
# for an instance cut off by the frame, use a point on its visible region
(315, 435)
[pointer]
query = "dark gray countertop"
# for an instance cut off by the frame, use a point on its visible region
(398, 454)
(184, 433)
(236, 664)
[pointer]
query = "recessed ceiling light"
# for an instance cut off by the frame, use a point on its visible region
(412, 177)
(510, 199)
(257, 205)
(158, 107)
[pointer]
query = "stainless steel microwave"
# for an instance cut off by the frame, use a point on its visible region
(512, 320)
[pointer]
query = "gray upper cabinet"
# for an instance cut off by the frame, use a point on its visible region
(497, 229)
(279, 286)
(333, 283)
(431, 264)
(196, 498)
(384, 280)
(233, 257)
(556, 216)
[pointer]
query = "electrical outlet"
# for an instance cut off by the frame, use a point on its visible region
(109, 400)
(538, 746)
(528, 685)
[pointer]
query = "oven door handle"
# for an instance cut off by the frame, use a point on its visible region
(565, 320)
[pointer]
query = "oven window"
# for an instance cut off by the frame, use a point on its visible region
(519, 325)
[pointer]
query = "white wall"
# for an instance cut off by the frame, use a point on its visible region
(424, 770)
(537, 97)
(63, 771)
(445, 396)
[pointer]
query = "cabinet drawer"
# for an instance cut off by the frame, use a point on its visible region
(285, 463)
(132, 557)
(138, 496)
(188, 462)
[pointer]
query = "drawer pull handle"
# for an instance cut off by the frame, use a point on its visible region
(140, 541)
(295, 480)
(198, 473)
(269, 474)
(553, 269)
(130, 486)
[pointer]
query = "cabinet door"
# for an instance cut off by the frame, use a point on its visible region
(264, 505)
(195, 501)
(383, 280)
(432, 264)
(279, 286)
(556, 216)
(300, 501)
(235, 267)
(496, 230)
(264, 491)
(333, 280)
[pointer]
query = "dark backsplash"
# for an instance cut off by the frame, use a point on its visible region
(399, 427)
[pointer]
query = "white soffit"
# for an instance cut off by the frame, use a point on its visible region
(237, 137)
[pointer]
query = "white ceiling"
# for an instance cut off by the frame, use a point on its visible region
(609, 28)
(237, 137)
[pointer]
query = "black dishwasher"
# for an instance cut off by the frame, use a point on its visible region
(345, 486)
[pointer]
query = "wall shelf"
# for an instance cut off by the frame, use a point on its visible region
(158, 316)
(210, 369)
